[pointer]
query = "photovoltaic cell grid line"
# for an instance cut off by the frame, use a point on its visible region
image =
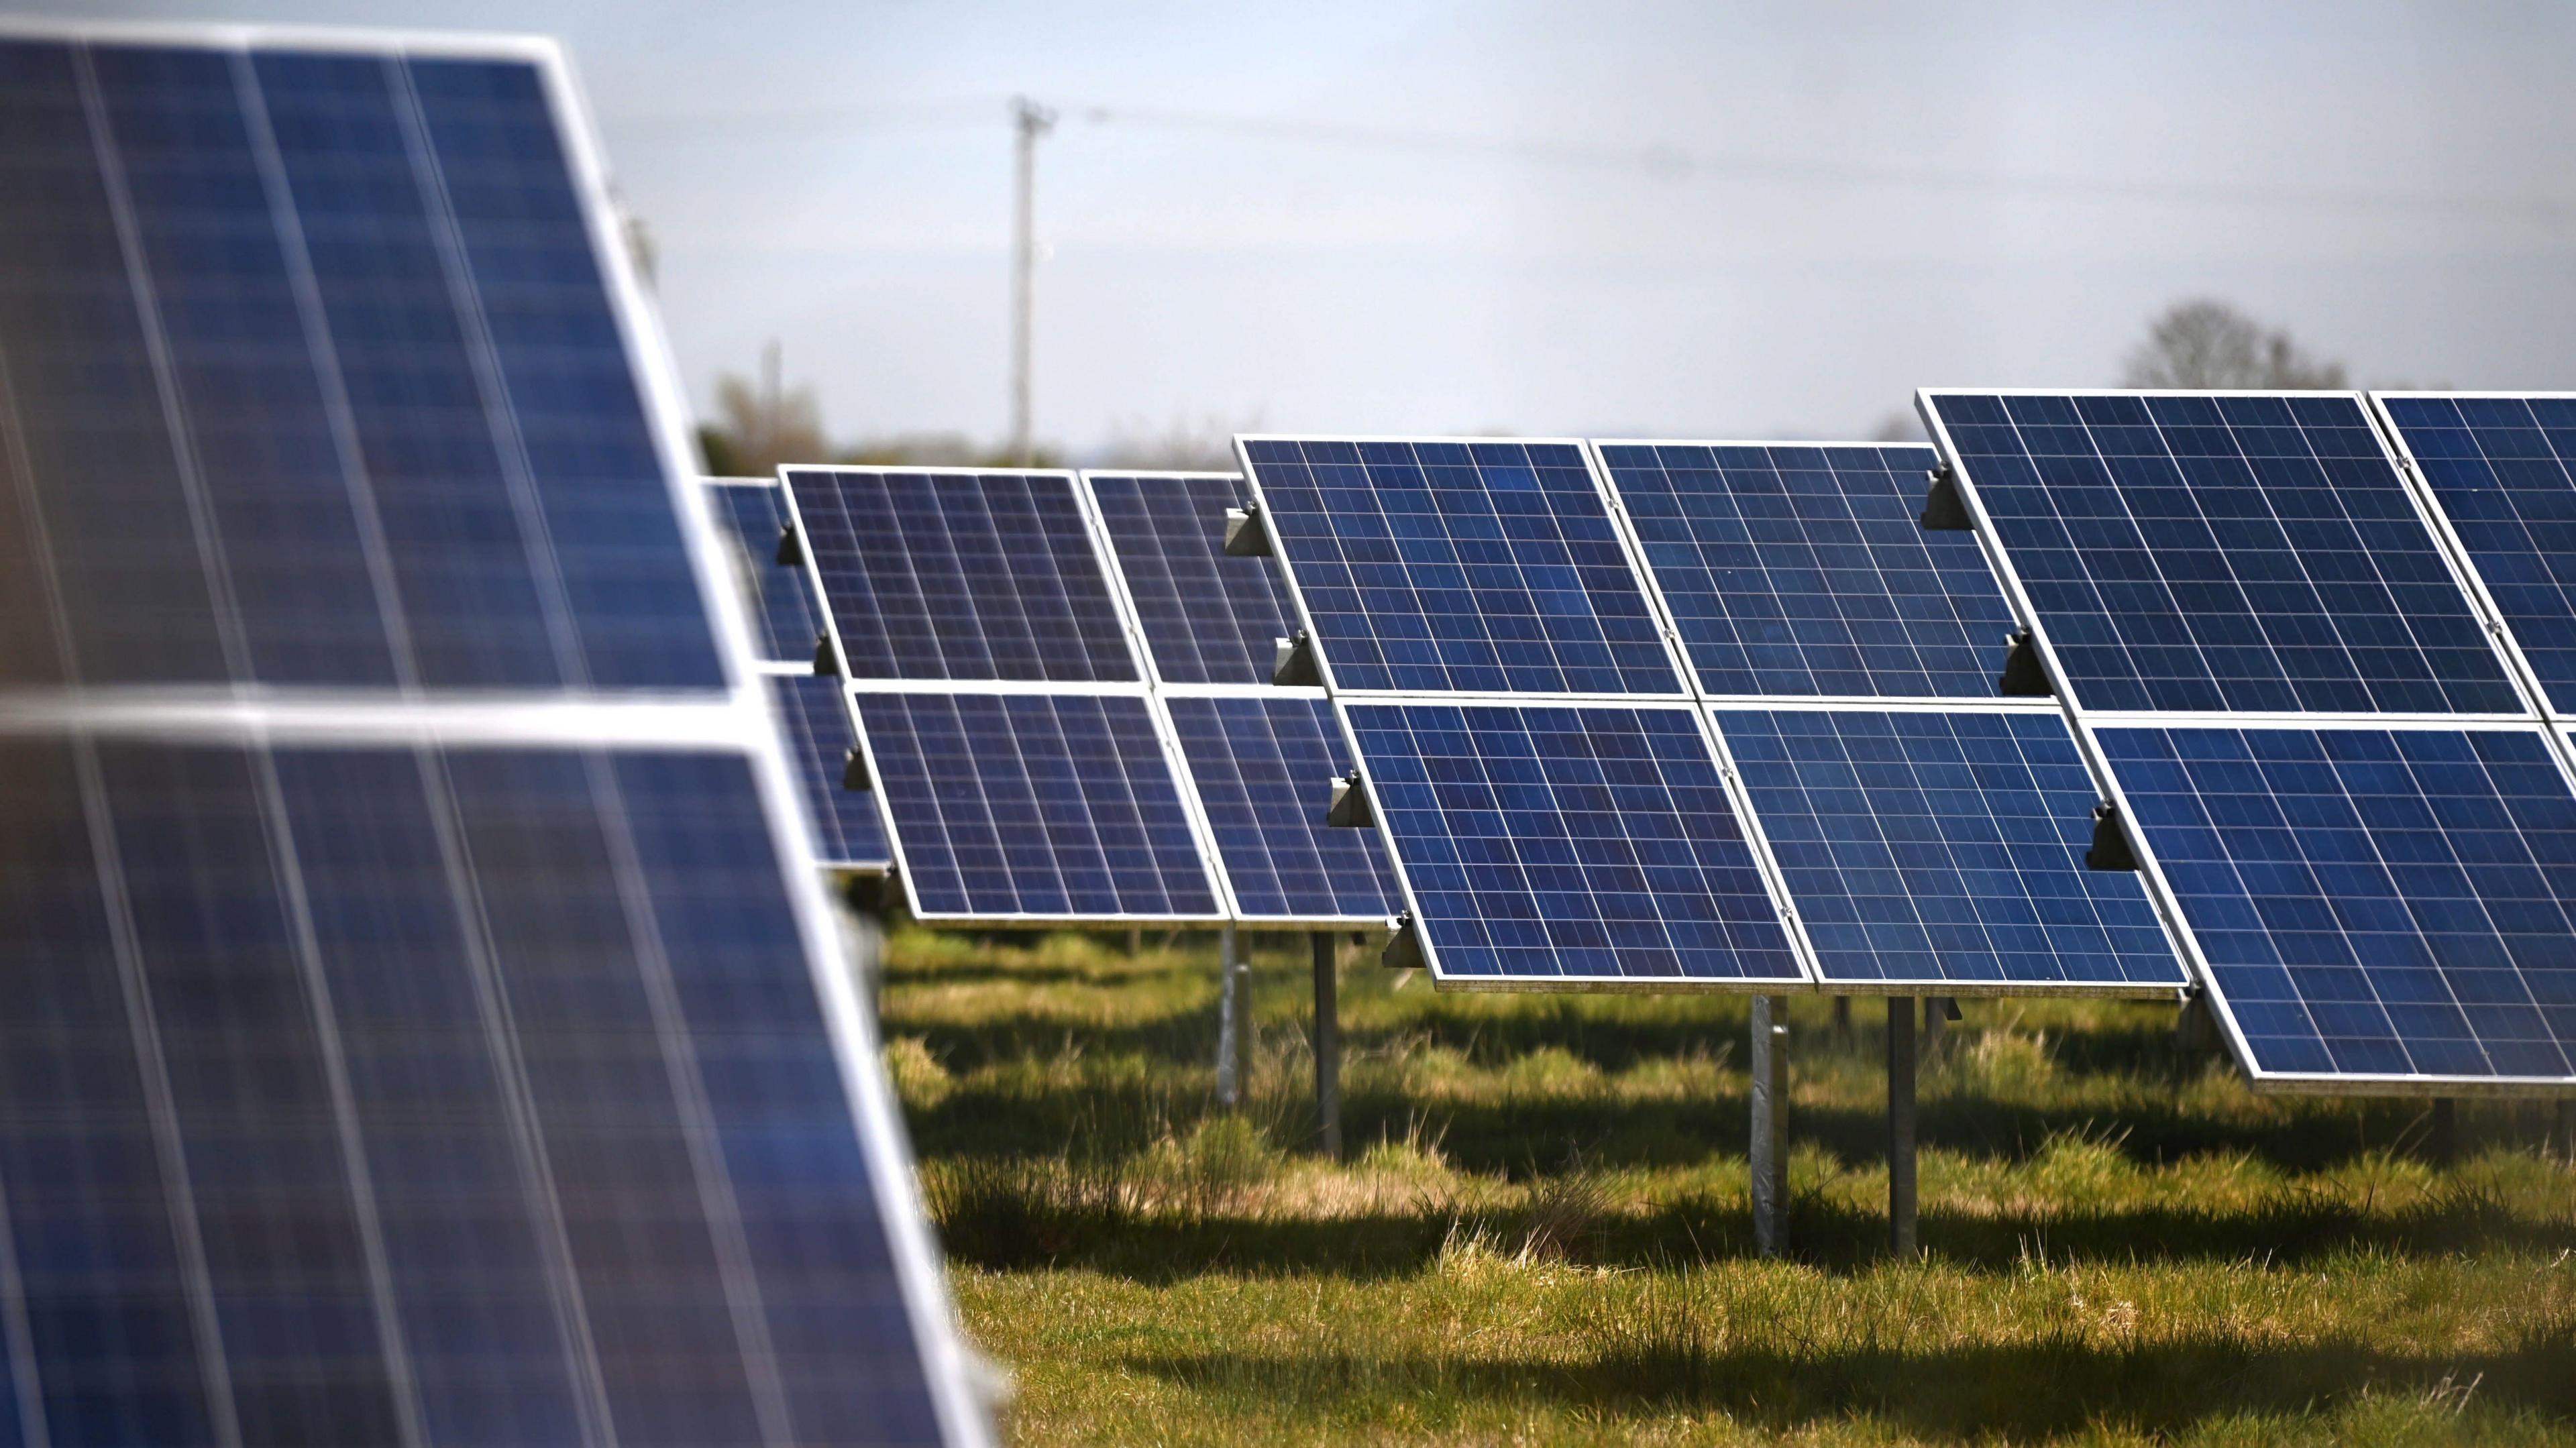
(1262, 767)
(1944, 847)
(2223, 553)
(314, 377)
(2502, 470)
(2372, 904)
(1477, 567)
(476, 1021)
(786, 618)
(1056, 806)
(815, 728)
(1207, 618)
(1568, 843)
(1802, 571)
(961, 575)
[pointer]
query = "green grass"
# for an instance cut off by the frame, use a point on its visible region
(1543, 1233)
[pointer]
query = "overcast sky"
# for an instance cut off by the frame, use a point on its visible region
(1683, 220)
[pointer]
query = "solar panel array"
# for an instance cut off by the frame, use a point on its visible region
(787, 617)
(1259, 757)
(1941, 845)
(2332, 776)
(357, 1040)
(1003, 714)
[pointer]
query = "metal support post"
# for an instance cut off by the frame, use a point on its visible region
(1229, 1084)
(1768, 1148)
(1328, 1045)
(2444, 1144)
(2566, 1133)
(1936, 1014)
(1900, 1127)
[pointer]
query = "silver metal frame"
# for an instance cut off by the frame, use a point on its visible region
(1861, 703)
(1139, 688)
(1161, 692)
(2085, 722)
(738, 724)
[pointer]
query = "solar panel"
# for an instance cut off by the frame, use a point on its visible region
(1548, 845)
(1261, 767)
(1034, 806)
(947, 574)
(1467, 566)
(416, 1062)
(1800, 570)
(1945, 848)
(2230, 552)
(1206, 618)
(814, 725)
(2370, 904)
(2502, 471)
(786, 618)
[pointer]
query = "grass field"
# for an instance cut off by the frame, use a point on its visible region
(1542, 1232)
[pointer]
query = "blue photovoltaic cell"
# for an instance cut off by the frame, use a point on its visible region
(1264, 769)
(2504, 471)
(1593, 842)
(315, 378)
(2239, 553)
(1804, 570)
(516, 1013)
(1452, 566)
(785, 619)
(1944, 847)
(815, 727)
(1208, 618)
(1034, 804)
(961, 575)
(2371, 902)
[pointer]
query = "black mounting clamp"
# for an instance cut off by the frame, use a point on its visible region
(1293, 665)
(2110, 842)
(2023, 676)
(791, 546)
(1350, 807)
(827, 660)
(1404, 944)
(1944, 511)
(854, 772)
(1246, 536)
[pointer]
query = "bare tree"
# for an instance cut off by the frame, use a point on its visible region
(1183, 444)
(765, 424)
(2207, 344)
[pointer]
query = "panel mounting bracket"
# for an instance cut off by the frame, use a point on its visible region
(1350, 807)
(2110, 842)
(2023, 677)
(827, 662)
(1246, 535)
(1293, 665)
(1944, 511)
(1403, 945)
(791, 548)
(854, 772)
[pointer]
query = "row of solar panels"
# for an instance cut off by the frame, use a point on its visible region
(416, 1023)
(1645, 714)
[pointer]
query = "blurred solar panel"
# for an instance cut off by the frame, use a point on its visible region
(1800, 570)
(2503, 471)
(818, 737)
(1038, 806)
(2222, 552)
(1207, 618)
(1587, 843)
(355, 1047)
(1429, 566)
(2371, 905)
(1262, 767)
(785, 617)
(1945, 848)
(934, 574)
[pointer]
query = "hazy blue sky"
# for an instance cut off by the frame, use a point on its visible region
(1833, 218)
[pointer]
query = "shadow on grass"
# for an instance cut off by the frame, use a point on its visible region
(2020, 1393)
(1001, 1224)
